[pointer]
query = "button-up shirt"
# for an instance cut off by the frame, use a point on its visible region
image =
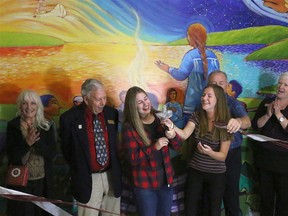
(89, 116)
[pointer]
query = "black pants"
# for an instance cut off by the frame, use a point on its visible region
(212, 183)
(274, 193)
(233, 170)
(21, 208)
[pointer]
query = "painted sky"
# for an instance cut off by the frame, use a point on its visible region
(167, 20)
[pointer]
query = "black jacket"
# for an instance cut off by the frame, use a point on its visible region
(75, 148)
(17, 147)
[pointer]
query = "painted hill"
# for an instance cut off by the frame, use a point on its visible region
(276, 38)
(27, 39)
(85, 25)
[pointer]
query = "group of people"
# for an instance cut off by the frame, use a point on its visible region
(90, 144)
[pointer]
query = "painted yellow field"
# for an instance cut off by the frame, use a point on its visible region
(118, 66)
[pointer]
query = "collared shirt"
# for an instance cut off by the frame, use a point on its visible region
(89, 116)
(237, 110)
(143, 159)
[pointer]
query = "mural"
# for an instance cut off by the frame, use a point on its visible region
(52, 46)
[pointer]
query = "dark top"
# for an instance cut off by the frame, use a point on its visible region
(268, 155)
(17, 147)
(152, 128)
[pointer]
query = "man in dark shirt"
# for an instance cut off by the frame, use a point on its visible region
(93, 182)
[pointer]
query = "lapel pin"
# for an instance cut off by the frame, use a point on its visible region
(79, 126)
(110, 121)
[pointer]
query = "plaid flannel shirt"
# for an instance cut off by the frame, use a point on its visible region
(144, 166)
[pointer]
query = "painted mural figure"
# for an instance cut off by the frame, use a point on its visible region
(120, 108)
(234, 89)
(146, 143)
(277, 5)
(94, 182)
(41, 7)
(42, 11)
(239, 120)
(77, 100)
(173, 105)
(30, 139)
(196, 65)
(177, 109)
(207, 169)
(271, 119)
(51, 109)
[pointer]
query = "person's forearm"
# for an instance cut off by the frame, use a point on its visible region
(181, 133)
(262, 120)
(245, 122)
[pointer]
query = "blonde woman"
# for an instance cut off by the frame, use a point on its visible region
(31, 140)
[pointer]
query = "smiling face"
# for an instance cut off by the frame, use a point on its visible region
(96, 100)
(282, 91)
(143, 104)
(28, 109)
(208, 99)
(219, 79)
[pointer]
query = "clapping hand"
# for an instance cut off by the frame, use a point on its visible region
(33, 136)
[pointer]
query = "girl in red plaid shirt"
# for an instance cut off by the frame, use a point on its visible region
(146, 141)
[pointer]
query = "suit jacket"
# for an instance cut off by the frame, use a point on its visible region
(75, 148)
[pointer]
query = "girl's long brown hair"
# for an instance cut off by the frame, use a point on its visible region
(131, 114)
(222, 114)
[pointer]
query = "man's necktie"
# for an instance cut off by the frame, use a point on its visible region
(101, 150)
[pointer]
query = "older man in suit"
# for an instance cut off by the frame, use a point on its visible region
(89, 137)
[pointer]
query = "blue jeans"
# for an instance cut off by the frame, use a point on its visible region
(154, 202)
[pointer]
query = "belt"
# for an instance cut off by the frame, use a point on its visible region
(102, 170)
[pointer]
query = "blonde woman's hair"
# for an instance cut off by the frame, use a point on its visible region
(30, 95)
(131, 115)
(222, 114)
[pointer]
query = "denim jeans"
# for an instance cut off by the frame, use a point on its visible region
(154, 202)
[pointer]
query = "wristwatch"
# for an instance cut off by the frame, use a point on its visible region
(281, 119)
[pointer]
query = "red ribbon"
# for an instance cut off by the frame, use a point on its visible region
(31, 198)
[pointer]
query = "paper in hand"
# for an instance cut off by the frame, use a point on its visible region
(165, 114)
